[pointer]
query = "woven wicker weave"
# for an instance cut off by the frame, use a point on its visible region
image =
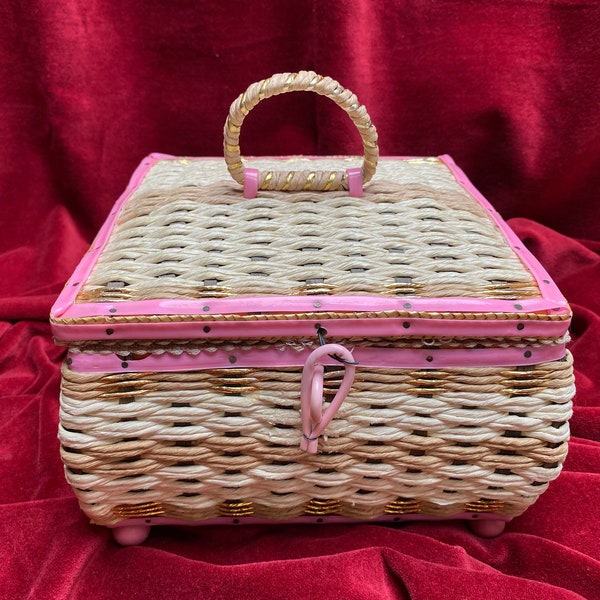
(163, 417)
(398, 240)
(190, 442)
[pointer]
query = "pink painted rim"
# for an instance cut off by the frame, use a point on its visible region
(308, 304)
(296, 328)
(65, 307)
(309, 520)
(400, 358)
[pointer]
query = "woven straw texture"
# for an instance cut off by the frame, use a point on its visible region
(186, 233)
(314, 179)
(197, 445)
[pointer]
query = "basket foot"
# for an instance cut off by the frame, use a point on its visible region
(131, 535)
(488, 528)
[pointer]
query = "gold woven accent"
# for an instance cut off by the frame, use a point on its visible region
(484, 506)
(317, 506)
(232, 382)
(194, 512)
(402, 506)
(314, 289)
(132, 511)
(105, 295)
(236, 508)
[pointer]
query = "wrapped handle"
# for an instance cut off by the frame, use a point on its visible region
(299, 180)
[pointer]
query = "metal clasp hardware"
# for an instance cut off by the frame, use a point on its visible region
(321, 333)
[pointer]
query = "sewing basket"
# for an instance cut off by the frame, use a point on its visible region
(299, 348)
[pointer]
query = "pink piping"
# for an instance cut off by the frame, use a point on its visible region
(299, 304)
(380, 327)
(401, 358)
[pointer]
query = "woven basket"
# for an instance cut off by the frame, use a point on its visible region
(207, 327)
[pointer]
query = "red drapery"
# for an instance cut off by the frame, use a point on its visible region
(511, 89)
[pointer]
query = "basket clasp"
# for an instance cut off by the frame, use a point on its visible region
(314, 420)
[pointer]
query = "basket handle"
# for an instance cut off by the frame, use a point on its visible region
(352, 179)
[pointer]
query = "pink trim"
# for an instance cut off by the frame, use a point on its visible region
(299, 304)
(307, 520)
(405, 358)
(307, 328)
(250, 183)
(547, 287)
(355, 183)
(311, 396)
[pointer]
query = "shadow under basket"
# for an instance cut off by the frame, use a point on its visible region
(318, 345)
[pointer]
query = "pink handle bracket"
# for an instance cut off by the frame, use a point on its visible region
(355, 182)
(250, 182)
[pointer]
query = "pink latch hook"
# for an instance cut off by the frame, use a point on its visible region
(314, 420)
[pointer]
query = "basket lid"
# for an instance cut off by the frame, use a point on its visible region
(184, 254)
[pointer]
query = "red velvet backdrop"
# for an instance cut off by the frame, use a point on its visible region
(510, 89)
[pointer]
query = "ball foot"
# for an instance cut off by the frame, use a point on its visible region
(488, 528)
(131, 535)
